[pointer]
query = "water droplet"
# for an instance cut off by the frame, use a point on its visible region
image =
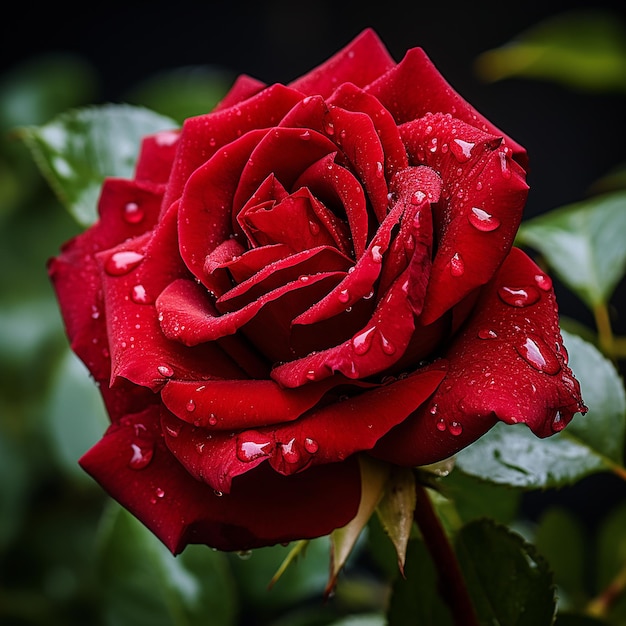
(417, 198)
(536, 353)
(377, 256)
(133, 213)
(139, 296)
(462, 150)
(433, 409)
(487, 333)
(218, 493)
(329, 127)
(141, 456)
(159, 493)
(249, 450)
(314, 227)
(344, 296)
(165, 370)
(173, 430)
(290, 452)
(543, 281)
(519, 297)
(310, 445)
(387, 346)
(306, 135)
(122, 263)
(191, 405)
(363, 341)
(558, 423)
(379, 169)
(212, 419)
(457, 266)
(483, 221)
(310, 375)
(433, 144)
(504, 166)
(441, 424)
(456, 428)
(244, 555)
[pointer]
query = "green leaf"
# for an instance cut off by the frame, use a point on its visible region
(373, 619)
(79, 149)
(144, 585)
(182, 92)
(584, 49)
(474, 498)
(560, 537)
(611, 547)
(415, 599)
(514, 456)
(76, 414)
(508, 580)
(584, 244)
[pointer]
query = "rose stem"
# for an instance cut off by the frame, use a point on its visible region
(605, 332)
(601, 604)
(451, 583)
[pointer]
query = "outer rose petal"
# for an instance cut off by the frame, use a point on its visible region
(360, 62)
(507, 363)
(181, 510)
(217, 457)
(431, 92)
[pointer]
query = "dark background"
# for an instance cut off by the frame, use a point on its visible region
(573, 137)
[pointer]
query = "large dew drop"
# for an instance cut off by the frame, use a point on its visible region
(483, 221)
(122, 262)
(141, 455)
(519, 296)
(537, 354)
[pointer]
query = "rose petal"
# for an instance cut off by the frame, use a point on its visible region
(507, 363)
(217, 457)
(133, 274)
(480, 211)
(156, 156)
(337, 187)
(360, 62)
(240, 404)
(181, 510)
(348, 96)
(431, 93)
(298, 266)
(243, 88)
(203, 135)
(205, 214)
(283, 153)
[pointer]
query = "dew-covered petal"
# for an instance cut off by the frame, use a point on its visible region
(483, 197)
(360, 144)
(203, 135)
(299, 221)
(341, 191)
(429, 91)
(181, 510)
(358, 422)
(283, 153)
(508, 363)
(240, 404)
(126, 210)
(188, 316)
(360, 62)
(299, 266)
(243, 88)
(348, 96)
(205, 214)
(156, 156)
(133, 274)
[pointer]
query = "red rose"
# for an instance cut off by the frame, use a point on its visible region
(307, 274)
